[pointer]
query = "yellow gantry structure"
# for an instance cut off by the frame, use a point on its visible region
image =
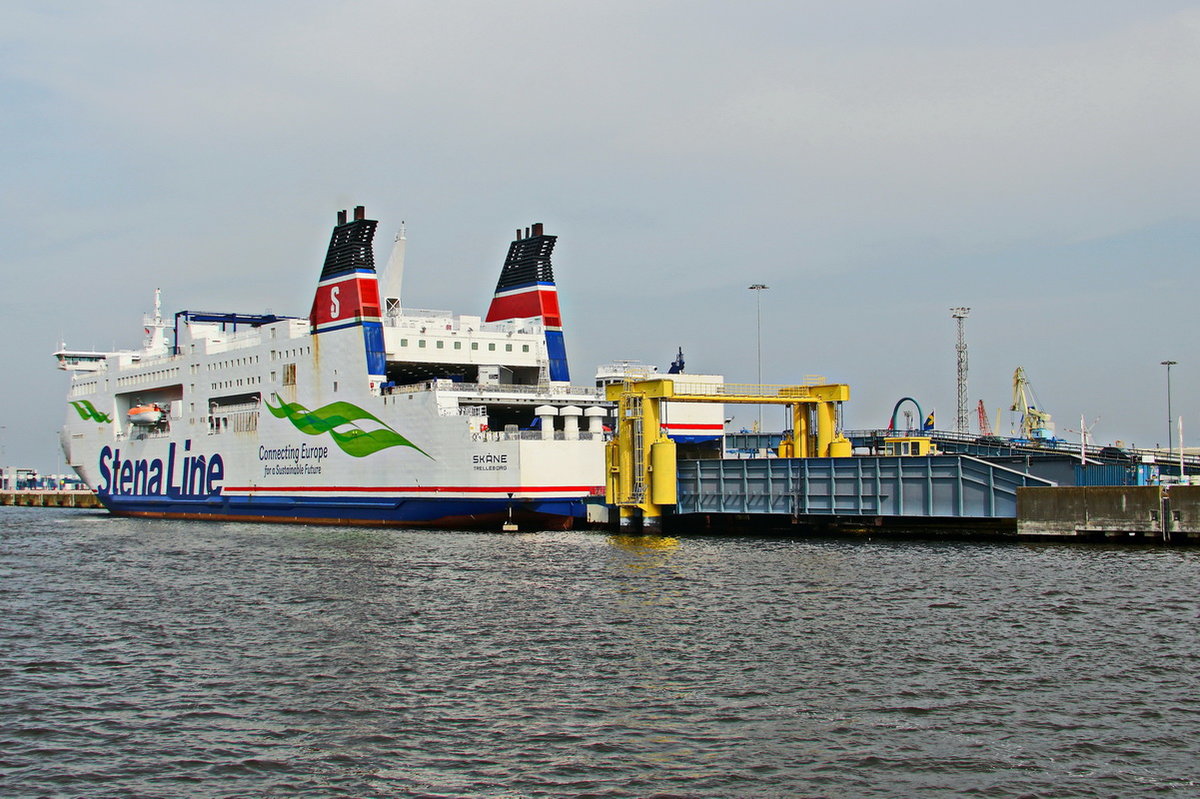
(640, 460)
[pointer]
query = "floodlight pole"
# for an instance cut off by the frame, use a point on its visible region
(1170, 419)
(758, 289)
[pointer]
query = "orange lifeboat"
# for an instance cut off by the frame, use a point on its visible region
(146, 414)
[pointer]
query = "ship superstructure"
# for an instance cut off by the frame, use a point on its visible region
(685, 423)
(361, 412)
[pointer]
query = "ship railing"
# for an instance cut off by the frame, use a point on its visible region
(143, 434)
(465, 410)
(1048, 446)
(234, 341)
(557, 390)
(410, 316)
(682, 386)
(143, 360)
(238, 407)
(426, 312)
(553, 390)
(536, 435)
(435, 321)
(621, 371)
(239, 418)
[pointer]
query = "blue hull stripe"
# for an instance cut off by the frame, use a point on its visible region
(371, 510)
(691, 439)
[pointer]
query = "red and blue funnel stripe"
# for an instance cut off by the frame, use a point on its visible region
(348, 290)
(526, 290)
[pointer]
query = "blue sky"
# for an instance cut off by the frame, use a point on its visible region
(874, 163)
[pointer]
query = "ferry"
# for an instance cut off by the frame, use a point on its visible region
(363, 412)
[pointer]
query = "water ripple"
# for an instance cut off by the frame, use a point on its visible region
(167, 659)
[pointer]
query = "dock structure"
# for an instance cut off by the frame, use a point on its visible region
(811, 472)
(895, 488)
(36, 498)
(988, 446)
(810, 475)
(1159, 513)
(641, 460)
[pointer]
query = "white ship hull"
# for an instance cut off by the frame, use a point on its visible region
(320, 419)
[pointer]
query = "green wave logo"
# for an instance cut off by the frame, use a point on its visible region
(87, 410)
(355, 431)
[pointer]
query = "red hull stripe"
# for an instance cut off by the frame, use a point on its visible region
(546, 521)
(693, 426)
(420, 489)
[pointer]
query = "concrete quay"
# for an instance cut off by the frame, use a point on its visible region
(1159, 513)
(37, 498)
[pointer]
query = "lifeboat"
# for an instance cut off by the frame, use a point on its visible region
(147, 414)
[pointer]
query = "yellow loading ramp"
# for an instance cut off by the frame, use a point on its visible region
(640, 460)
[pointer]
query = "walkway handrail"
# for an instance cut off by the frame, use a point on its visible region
(1004, 442)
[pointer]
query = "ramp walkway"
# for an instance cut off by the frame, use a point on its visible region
(945, 486)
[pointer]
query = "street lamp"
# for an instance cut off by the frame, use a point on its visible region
(758, 288)
(1170, 419)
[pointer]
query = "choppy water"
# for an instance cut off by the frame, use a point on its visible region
(152, 659)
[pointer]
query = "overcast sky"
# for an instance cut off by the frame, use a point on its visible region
(874, 163)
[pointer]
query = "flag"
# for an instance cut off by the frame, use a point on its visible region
(928, 422)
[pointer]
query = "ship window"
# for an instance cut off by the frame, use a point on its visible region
(524, 348)
(441, 344)
(474, 345)
(458, 345)
(421, 343)
(335, 385)
(289, 374)
(491, 347)
(508, 348)
(403, 342)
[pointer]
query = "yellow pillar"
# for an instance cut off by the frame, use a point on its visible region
(664, 473)
(826, 399)
(650, 465)
(800, 431)
(826, 425)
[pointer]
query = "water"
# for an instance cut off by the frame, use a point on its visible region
(155, 659)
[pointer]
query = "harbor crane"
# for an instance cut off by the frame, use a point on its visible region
(985, 428)
(1035, 424)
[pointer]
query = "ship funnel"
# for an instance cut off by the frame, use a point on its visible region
(526, 290)
(347, 293)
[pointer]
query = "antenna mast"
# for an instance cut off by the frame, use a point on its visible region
(961, 425)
